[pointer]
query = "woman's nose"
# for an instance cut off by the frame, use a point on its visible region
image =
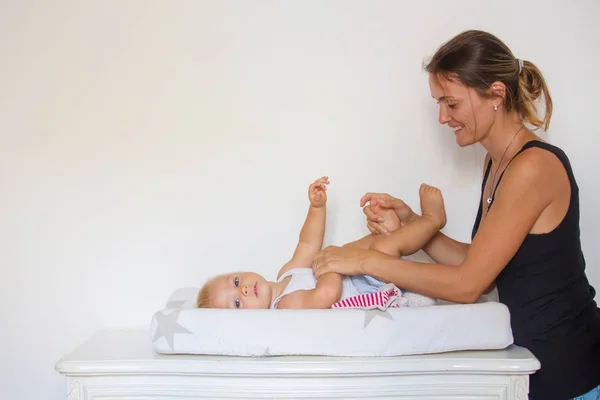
(444, 118)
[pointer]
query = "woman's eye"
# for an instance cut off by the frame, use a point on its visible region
(237, 282)
(237, 303)
(452, 105)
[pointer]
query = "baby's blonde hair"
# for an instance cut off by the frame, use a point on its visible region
(203, 298)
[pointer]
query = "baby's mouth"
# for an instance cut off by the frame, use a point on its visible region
(256, 289)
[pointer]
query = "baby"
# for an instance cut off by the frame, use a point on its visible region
(296, 286)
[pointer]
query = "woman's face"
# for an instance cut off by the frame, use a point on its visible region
(469, 115)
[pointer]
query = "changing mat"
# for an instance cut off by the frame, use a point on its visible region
(180, 328)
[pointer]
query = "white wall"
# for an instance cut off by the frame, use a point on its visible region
(148, 145)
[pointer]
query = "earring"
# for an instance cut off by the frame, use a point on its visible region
(495, 108)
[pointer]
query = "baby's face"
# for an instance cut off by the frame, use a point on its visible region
(240, 290)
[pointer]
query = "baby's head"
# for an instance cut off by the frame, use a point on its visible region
(235, 290)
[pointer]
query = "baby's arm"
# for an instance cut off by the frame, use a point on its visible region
(310, 240)
(327, 291)
(312, 234)
(414, 236)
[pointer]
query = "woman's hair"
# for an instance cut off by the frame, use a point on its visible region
(203, 298)
(478, 59)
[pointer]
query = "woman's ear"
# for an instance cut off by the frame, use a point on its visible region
(498, 91)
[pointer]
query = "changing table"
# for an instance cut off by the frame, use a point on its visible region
(122, 364)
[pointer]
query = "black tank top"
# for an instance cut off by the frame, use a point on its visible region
(552, 308)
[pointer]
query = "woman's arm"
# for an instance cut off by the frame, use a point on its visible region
(441, 248)
(524, 192)
(444, 250)
(528, 187)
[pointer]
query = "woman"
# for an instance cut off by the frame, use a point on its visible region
(525, 239)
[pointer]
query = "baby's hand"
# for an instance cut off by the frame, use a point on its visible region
(316, 192)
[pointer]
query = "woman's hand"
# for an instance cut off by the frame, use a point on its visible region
(385, 213)
(343, 260)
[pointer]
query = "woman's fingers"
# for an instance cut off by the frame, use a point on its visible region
(377, 227)
(323, 267)
(375, 198)
(319, 264)
(371, 228)
(365, 199)
(321, 260)
(369, 198)
(316, 258)
(371, 215)
(319, 270)
(373, 221)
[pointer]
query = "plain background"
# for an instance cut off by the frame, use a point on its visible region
(148, 145)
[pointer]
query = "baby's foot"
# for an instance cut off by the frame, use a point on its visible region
(405, 213)
(432, 205)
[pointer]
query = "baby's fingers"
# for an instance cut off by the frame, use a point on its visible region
(323, 181)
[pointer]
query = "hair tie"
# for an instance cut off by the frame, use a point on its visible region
(520, 65)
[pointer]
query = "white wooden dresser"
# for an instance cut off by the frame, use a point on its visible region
(122, 364)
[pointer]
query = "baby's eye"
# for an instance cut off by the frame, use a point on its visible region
(237, 282)
(237, 303)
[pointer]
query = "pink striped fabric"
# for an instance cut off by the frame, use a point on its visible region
(386, 298)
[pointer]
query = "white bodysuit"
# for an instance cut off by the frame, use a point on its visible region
(304, 279)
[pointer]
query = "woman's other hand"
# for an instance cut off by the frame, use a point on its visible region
(385, 213)
(343, 260)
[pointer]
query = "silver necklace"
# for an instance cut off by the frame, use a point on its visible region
(489, 199)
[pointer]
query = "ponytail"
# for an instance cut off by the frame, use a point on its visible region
(532, 86)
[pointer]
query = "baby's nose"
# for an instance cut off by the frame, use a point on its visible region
(245, 290)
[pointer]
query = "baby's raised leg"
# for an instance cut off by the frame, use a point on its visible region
(414, 236)
(432, 205)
